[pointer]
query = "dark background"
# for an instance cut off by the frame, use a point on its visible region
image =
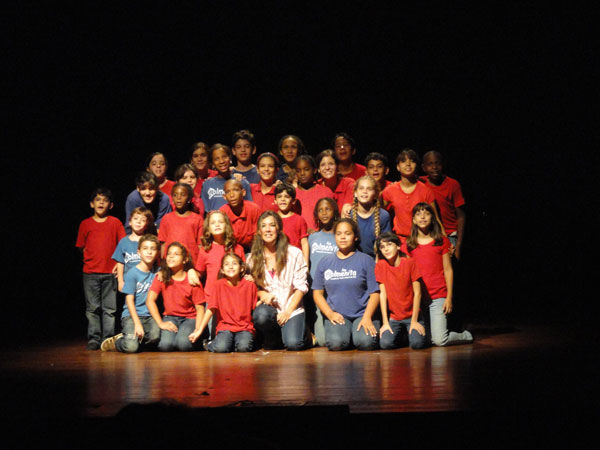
(496, 89)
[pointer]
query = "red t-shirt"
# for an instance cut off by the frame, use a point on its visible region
(168, 187)
(98, 241)
(448, 196)
(306, 199)
(244, 225)
(179, 297)
(186, 230)
(398, 285)
(264, 201)
(344, 192)
(294, 228)
(209, 262)
(430, 262)
(403, 204)
(200, 182)
(358, 171)
(234, 304)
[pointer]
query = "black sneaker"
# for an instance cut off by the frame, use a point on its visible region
(92, 345)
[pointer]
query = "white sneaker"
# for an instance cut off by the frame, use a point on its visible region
(108, 344)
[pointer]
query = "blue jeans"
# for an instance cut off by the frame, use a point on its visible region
(400, 336)
(229, 341)
(100, 290)
(439, 326)
(343, 337)
(292, 333)
(170, 341)
(129, 343)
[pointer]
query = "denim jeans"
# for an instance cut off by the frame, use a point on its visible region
(100, 290)
(229, 341)
(400, 336)
(439, 326)
(343, 337)
(129, 343)
(292, 333)
(170, 341)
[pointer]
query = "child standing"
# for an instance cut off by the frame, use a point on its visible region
(157, 165)
(378, 167)
(400, 293)
(342, 187)
(126, 254)
(182, 225)
(366, 212)
(430, 249)
(138, 326)
(242, 214)
(345, 148)
(183, 303)
(294, 226)
(243, 147)
(186, 173)
(199, 162)
(290, 147)
(232, 302)
(308, 191)
(263, 193)
(146, 194)
(97, 238)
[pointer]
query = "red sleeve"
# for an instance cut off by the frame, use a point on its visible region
(303, 228)
(239, 250)
(81, 235)
(163, 231)
(157, 285)
(457, 196)
(379, 271)
(120, 231)
(445, 245)
(414, 270)
(198, 295)
(201, 260)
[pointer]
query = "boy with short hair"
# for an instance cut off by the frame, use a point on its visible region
(378, 168)
(148, 195)
(242, 214)
(97, 238)
(138, 326)
(243, 147)
(294, 225)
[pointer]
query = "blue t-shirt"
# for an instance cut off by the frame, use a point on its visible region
(127, 253)
(159, 207)
(137, 283)
(367, 230)
(348, 283)
(251, 175)
(320, 244)
(213, 193)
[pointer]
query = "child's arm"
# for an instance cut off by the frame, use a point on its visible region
(384, 311)
(414, 321)
(151, 304)
(365, 322)
(194, 335)
(334, 317)
(461, 219)
(305, 249)
(194, 277)
(120, 279)
(205, 319)
(449, 277)
(139, 329)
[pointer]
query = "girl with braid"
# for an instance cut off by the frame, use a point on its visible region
(367, 212)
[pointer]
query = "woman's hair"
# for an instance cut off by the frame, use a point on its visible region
(144, 178)
(388, 236)
(150, 227)
(190, 192)
(165, 270)
(301, 148)
(306, 157)
(243, 134)
(218, 146)
(207, 238)
(407, 153)
(435, 230)
(334, 206)
(182, 169)
(354, 226)
(268, 155)
(377, 212)
(287, 187)
(345, 136)
(258, 246)
(243, 266)
(375, 156)
(149, 159)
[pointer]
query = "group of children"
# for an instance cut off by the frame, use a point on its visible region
(376, 254)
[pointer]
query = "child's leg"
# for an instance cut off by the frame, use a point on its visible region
(293, 333)
(319, 328)
(338, 337)
(363, 341)
(151, 331)
(128, 343)
(244, 341)
(439, 326)
(92, 292)
(109, 304)
(186, 327)
(417, 341)
(388, 341)
(222, 343)
(167, 338)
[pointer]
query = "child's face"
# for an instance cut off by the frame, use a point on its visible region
(101, 205)
(389, 250)
(266, 169)
(180, 197)
(268, 230)
(137, 222)
(343, 149)
(328, 167)
(148, 252)
(231, 267)
(158, 166)
(325, 212)
(174, 258)
(200, 158)
(147, 192)
(407, 167)
(189, 178)
(365, 192)
(289, 150)
(305, 172)
(243, 151)
(216, 224)
(234, 193)
(377, 169)
(422, 219)
(344, 236)
(284, 201)
(432, 166)
(221, 160)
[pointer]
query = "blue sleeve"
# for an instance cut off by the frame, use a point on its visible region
(118, 254)
(385, 222)
(130, 283)
(164, 207)
(369, 267)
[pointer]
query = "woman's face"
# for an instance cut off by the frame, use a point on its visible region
(328, 167)
(268, 230)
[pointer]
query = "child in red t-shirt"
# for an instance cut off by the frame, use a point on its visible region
(263, 193)
(378, 167)
(345, 149)
(430, 249)
(183, 303)
(157, 164)
(243, 214)
(308, 191)
(199, 162)
(400, 293)
(97, 239)
(186, 173)
(342, 187)
(232, 302)
(294, 225)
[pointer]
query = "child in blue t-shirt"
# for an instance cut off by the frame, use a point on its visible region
(243, 146)
(138, 327)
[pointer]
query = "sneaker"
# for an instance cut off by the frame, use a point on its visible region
(92, 345)
(205, 344)
(108, 344)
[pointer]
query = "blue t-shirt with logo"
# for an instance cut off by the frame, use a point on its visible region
(137, 282)
(348, 283)
(367, 230)
(320, 244)
(127, 254)
(213, 193)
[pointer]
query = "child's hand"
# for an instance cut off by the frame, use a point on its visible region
(193, 337)
(416, 326)
(283, 317)
(368, 326)
(193, 278)
(337, 319)
(168, 326)
(447, 306)
(114, 270)
(237, 176)
(139, 332)
(268, 298)
(159, 276)
(249, 277)
(346, 210)
(385, 327)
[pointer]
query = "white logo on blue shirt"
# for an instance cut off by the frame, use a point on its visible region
(343, 274)
(212, 192)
